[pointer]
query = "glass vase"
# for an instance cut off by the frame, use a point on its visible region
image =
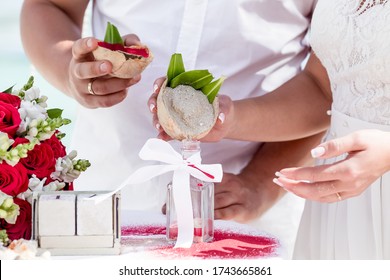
(202, 197)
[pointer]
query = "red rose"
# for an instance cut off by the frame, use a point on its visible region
(9, 119)
(19, 140)
(10, 99)
(56, 145)
(22, 227)
(40, 161)
(13, 179)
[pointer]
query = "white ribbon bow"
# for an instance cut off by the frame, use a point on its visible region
(159, 150)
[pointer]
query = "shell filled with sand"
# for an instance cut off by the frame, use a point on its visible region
(185, 113)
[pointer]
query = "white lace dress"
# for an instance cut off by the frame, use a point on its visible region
(352, 40)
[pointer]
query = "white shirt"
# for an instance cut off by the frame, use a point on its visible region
(258, 45)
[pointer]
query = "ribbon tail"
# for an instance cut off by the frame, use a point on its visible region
(206, 172)
(141, 175)
(183, 203)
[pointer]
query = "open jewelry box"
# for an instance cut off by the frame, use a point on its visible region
(68, 223)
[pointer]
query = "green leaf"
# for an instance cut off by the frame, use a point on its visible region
(112, 35)
(54, 113)
(29, 83)
(9, 90)
(176, 67)
(211, 90)
(194, 78)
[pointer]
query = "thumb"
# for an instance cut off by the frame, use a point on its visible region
(337, 147)
(131, 39)
(225, 106)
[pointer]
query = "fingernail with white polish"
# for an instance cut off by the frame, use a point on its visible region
(276, 181)
(221, 117)
(317, 152)
(89, 43)
(151, 108)
(155, 88)
(278, 174)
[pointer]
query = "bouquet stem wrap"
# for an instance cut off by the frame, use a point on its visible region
(162, 151)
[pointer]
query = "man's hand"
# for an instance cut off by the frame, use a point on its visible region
(242, 199)
(251, 193)
(85, 72)
(64, 58)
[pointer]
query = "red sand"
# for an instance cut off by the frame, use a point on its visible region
(226, 245)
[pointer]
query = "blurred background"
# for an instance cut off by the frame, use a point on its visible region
(15, 68)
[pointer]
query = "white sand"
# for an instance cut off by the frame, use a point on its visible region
(190, 109)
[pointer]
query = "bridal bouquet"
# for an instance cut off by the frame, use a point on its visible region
(32, 157)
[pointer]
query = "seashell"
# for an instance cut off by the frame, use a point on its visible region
(186, 113)
(124, 65)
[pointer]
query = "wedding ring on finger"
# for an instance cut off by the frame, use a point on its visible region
(89, 87)
(339, 196)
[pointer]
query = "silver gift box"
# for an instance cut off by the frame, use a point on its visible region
(65, 223)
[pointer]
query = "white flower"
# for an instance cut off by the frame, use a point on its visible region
(64, 168)
(42, 101)
(32, 110)
(54, 186)
(34, 184)
(31, 114)
(32, 132)
(8, 209)
(32, 94)
(42, 136)
(5, 142)
(72, 155)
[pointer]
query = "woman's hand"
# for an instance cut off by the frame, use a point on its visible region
(152, 104)
(221, 126)
(368, 157)
(89, 82)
